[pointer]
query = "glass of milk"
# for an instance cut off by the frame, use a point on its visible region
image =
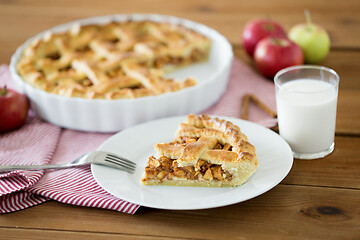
(306, 99)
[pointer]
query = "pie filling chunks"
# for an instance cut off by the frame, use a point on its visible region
(207, 152)
(113, 61)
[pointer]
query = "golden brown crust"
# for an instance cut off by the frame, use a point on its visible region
(116, 60)
(217, 143)
(223, 131)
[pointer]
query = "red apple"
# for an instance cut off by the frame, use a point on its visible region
(13, 109)
(259, 29)
(273, 54)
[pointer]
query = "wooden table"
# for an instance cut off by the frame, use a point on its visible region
(319, 199)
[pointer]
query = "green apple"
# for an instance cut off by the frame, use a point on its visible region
(312, 39)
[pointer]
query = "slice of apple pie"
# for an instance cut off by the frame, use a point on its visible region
(207, 152)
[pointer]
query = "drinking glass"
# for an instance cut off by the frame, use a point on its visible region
(306, 101)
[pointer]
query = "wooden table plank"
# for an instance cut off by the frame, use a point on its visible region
(13, 233)
(286, 211)
(22, 19)
(339, 169)
(348, 113)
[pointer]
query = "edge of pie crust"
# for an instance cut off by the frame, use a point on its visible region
(207, 152)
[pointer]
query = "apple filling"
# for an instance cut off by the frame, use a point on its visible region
(195, 56)
(166, 168)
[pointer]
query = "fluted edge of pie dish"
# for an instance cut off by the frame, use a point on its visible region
(102, 115)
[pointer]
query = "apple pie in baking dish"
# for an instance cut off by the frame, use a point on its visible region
(207, 152)
(112, 61)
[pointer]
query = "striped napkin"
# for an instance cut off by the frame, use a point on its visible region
(12, 185)
(22, 189)
(39, 142)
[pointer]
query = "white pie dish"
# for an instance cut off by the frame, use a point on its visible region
(113, 115)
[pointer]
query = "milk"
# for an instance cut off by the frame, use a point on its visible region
(306, 114)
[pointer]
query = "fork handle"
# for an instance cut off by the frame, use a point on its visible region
(6, 168)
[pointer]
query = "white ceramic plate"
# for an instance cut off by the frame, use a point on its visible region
(136, 143)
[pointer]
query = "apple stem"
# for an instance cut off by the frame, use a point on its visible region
(268, 26)
(307, 16)
(3, 91)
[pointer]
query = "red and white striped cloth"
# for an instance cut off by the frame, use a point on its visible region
(38, 142)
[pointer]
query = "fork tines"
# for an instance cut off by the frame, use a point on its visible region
(120, 161)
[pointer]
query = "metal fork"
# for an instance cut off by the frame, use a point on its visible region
(96, 157)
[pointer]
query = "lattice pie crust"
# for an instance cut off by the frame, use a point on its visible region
(112, 61)
(207, 152)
